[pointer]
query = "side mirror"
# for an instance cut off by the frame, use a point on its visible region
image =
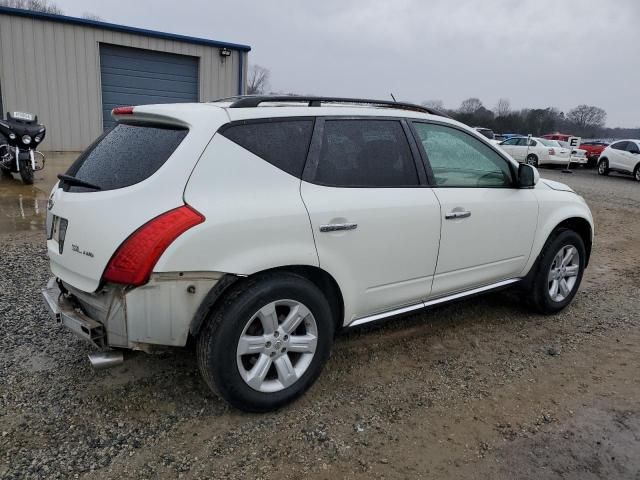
(528, 176)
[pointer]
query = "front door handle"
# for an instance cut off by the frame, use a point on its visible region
(337, 227)
(457, 214)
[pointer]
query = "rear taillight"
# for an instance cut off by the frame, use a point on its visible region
(122, 111)
(135, 258)
(552, 151)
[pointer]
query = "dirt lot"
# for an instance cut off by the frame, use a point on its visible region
(479, 389)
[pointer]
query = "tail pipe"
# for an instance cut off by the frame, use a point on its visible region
(108, 359)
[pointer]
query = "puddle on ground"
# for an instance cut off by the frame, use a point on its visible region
(24, 207)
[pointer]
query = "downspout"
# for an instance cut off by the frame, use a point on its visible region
(241, 73)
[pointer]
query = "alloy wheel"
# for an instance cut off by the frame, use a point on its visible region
(277, 346)
(563, 273)
(602, 168)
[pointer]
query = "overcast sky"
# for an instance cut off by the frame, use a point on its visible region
(536, 53)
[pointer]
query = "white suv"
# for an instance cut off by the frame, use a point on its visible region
(260, 226)
(622, 157)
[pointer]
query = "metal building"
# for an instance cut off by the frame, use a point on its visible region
(71, 72)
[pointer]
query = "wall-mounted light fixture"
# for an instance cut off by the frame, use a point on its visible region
(225, 52)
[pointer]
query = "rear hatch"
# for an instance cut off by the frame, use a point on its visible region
(130, 175)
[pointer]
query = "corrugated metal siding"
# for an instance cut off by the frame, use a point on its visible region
(134, 76)
(52, 69)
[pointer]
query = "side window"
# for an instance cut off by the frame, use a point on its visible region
(632, 147)
(511, 141)
(282, 143)
(522, 142)
(619, 146)
(460, 160)
(365, 153)
(533, 143)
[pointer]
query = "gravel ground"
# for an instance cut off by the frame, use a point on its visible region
(479, 389)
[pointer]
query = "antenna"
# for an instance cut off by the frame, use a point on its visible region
(394, 98)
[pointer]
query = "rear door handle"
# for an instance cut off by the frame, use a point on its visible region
(457, 214)
(337, 227)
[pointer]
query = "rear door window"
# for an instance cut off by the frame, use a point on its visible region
(619, 146)
(125, 155)
(282, 143)
(365, 153)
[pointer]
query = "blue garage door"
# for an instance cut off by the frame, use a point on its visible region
(132, 76)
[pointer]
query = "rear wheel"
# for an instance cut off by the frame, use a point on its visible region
(603, 167)
(267, 342)
(636, 173)
(26, 172)
(532, 160)
(558, 273)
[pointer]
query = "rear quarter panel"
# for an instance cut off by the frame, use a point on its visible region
(255, 217)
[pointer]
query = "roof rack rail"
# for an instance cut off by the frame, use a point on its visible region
(252, 101)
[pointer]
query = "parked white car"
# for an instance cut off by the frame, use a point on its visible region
(260, 226)
(540, 151)
(622, 156)
(578, 155)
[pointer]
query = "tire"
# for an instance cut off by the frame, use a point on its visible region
(244, 312)
(636, 173)
(603, 167)
(26, 172)
(541, 286)
(592, 162)
(532, 160)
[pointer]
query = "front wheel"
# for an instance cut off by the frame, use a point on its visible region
(636, 173)
(603, 167)
(532, 160)
(26, 172)
(266, 344)
(558, 273)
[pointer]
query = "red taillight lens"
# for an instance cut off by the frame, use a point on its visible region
(122, 111)
(135, 258)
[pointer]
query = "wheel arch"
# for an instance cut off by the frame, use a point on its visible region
(322, 279)
(583, 228)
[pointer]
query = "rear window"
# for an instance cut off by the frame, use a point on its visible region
(282, 143)
(125, 155)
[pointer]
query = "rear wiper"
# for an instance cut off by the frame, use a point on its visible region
(76, 182)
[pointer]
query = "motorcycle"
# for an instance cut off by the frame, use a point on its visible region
(20, 134)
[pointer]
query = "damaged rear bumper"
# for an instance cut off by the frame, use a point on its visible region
(72, 318)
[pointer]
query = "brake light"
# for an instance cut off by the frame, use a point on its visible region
(122, 111)
(135, 258)
(552, 151)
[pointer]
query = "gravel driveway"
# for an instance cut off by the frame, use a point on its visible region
(479, 389)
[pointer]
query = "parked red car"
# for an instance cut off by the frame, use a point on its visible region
(557, 136)
(594, 148)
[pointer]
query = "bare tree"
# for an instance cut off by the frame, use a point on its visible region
(258, 80)
(587, 116)
(503, 107)
(92, 16)
(36, 5)
(470, 105)
(435, 104)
